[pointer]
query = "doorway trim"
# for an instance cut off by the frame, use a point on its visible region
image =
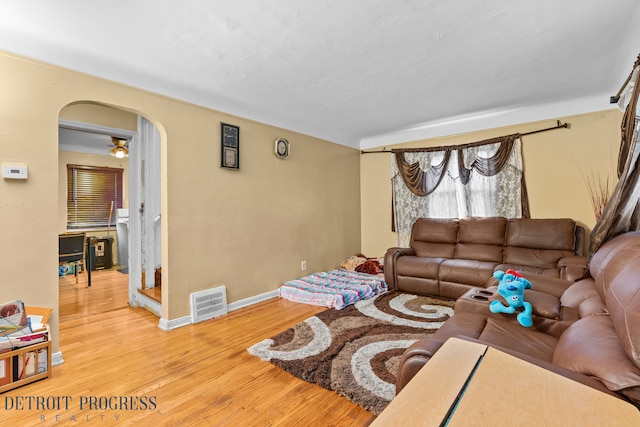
(94, 128)
(110, 131)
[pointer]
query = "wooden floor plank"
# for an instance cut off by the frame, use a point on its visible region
(197, 374)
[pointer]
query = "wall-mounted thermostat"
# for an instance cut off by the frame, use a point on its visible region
(14, 171)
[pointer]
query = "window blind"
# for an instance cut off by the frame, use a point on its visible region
(91, 191)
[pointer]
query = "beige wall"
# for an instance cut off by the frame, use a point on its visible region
(102, 115)
(556, 165)
(246, 229)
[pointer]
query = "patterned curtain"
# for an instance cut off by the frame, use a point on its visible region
(622, 211)
(480, 179)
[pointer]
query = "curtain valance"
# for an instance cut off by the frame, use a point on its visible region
(480, 179)
(422, 182)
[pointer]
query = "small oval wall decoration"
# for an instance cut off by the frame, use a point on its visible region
(282, 148)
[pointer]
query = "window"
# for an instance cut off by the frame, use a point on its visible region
(477, 179)
(93, 194)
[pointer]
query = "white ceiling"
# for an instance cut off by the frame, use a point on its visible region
(84, 142)
(361, 73)
(92, 139)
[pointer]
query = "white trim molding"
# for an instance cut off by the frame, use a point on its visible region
(489, 120)
(167, 325)
(95, 128)
(252, 300)
(56, 359)
(149, 304)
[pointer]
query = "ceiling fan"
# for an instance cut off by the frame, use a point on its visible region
(120, 150)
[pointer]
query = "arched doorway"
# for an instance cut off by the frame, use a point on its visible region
(85, 132)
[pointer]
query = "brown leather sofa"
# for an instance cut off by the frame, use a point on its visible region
(599, 343)
(447, 257)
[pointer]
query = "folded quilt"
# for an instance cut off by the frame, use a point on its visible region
(333, 289)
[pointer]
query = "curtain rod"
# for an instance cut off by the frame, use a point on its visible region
(558, 125)
(614, 99)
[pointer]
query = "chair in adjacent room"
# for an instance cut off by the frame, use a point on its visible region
(71, 250)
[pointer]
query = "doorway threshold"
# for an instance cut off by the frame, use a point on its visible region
(150, 303)
(154, 293)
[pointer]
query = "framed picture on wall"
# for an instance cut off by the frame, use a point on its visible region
(229, 146)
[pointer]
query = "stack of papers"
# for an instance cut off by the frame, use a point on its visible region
(22, 326)
(13, 319)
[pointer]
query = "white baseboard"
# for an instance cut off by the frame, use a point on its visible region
(147, 303)
(56, 358)
(252, 300)
(167, 325)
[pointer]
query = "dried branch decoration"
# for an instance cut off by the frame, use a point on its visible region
(599, 192)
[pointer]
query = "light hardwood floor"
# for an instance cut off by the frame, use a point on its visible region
(197, 375)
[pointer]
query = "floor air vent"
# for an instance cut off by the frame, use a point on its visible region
(208, 304)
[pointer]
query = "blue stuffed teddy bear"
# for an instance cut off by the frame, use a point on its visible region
(511, 287)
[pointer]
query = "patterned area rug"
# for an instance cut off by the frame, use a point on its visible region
(355, 351)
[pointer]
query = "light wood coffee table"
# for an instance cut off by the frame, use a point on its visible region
(470, 384)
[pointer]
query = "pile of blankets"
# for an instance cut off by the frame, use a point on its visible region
(362, 264)
(337, 288)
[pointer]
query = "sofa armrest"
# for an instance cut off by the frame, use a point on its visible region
(390, 265)
(414, 358)
(572, 268)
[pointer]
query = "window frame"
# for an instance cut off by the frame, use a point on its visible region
(86, 210)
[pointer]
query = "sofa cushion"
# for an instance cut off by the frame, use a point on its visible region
(480, 252)
(541, 258)
(504, 330)
(461, 324)
(467, 271)
(433, 250)
(547, 284)
(522, 269)
(488, 231)
(591, 347)
(434, 237)
(543, 305)
(418, 285)
(547, 234)
(539, 242)
(481, 239)
(416, 266)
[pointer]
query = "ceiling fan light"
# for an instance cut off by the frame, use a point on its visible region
(119, 152)
(119, 142)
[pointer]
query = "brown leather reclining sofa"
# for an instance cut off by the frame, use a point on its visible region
(598, 343)
(447, 257)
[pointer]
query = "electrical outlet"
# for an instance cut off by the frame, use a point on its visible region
(303, 265)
